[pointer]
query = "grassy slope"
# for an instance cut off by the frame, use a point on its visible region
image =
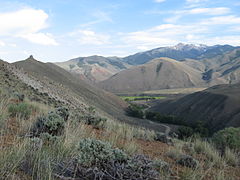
(107, 103)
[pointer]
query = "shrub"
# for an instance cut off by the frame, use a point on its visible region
(22, 109)
(228, 137)
(96, 152)
(136, 167)
(185, 132)
(92, 119)
(95, 121)
(170, 119)
(52, 124)
(63, 112)
(135, 111)
(188, 161)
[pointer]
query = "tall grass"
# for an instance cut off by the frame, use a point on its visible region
(212, 154)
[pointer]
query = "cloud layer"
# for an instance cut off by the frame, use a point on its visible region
(27, 24)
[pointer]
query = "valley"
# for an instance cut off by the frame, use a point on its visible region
(157, 109)
(119, 90)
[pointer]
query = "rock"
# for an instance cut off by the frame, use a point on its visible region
(188, 161)
(164, 138)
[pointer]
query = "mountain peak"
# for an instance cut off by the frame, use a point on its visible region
(31, 58)
(182, 46)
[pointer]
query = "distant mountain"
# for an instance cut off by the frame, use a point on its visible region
(179, 52)
(217, 107)
(166, 73)
(94, 68)
(161, 73)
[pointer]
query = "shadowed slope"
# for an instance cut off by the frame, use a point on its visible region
(218, 107)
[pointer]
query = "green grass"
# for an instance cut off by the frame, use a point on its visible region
(137, 98)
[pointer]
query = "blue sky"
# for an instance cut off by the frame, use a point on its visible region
(58, 30)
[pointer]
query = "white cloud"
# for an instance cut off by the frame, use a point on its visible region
(40, 38)
(100, 16)
(159, 1)
(195, 3)
(27, 24)
(90, 37)
(2, 43)
(172, 19)
(170, 34)
(233, 40)
(208, 11)
(222, 20)
(196, 11)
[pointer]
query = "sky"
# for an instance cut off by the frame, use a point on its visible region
(59, 30)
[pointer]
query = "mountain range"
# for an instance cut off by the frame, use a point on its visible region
(180, 66)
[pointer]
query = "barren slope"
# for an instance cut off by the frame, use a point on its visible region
(162, 73)
(94, 68)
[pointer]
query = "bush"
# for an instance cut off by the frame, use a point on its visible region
(96, 152)
(170, 119)
(111, 164)
(22, 109)
(52, 124)
(228, 137)
(92, 119)
(188, 161)
(95, 121)
(63, 112)
(135, 111)
(185, 132)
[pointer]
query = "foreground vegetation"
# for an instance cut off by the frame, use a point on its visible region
(41, 142)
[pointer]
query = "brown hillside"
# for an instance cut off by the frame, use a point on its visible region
(162, 73)
(71, 89)
(94, 68)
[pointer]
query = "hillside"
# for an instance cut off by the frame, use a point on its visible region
(94, 68)
(72, 89)
(39, 141)
(162, 73)
(217, 107)
(66, 87)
